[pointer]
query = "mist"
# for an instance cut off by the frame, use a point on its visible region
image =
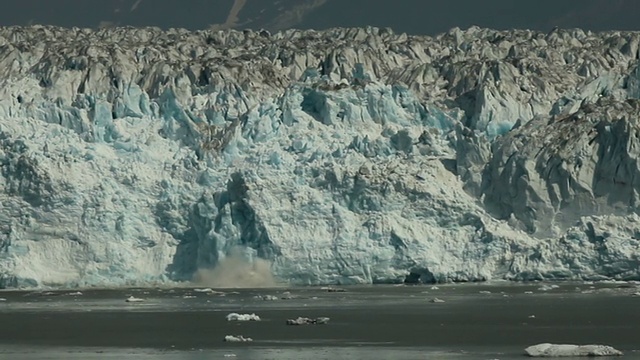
(236, 271)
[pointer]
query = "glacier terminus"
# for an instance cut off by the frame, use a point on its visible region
(346, 156)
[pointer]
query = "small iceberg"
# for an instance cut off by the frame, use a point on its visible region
(133, 299)
(242, 317)
(266, 297)
(206, 290)
(332, 289)
(237, 338)
(436, 300)
(287, 296)
(308, 321)
(564, 350)
(77, 293)
(548, 287)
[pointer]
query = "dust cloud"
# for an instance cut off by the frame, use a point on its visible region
(236, 271)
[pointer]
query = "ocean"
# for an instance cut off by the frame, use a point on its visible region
(473, 321)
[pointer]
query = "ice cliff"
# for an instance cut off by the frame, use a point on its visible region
(137, 156)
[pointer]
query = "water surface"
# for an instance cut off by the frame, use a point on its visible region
(475, 321)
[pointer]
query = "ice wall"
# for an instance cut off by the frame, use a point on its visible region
(137, 156)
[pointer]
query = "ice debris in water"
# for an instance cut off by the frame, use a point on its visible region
(242, 317)
(133, 299)
(332, 289)
(436, 300)
(308, 321)
(563, 350)
(266, 297)
(345, 156)
(287, 296)
(237, 338)
(548, 287)
(205, 290)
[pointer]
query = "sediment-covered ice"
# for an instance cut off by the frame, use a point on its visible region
(137, 156)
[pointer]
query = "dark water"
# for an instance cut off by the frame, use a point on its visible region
(377, 322)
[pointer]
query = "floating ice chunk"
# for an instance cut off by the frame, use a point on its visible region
(189, 297)
(485, 292)
(548, 287)
(3, 299)
(308, 321)
(563, 350)
(242, 317)
(77, 293)
(266, 297)
(636, 294)
(287, 296)
(435, 288)
(436, 300)
(610, 281)
(237, 338)
(207, 290)
(332, 289)
(133, 299)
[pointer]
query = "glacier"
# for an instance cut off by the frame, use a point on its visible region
(133, 157)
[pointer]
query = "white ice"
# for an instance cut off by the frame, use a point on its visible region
(563, 350)
(242, 317)
(139, 157)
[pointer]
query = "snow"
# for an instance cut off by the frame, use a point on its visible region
(562, 350)
(140, 157)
